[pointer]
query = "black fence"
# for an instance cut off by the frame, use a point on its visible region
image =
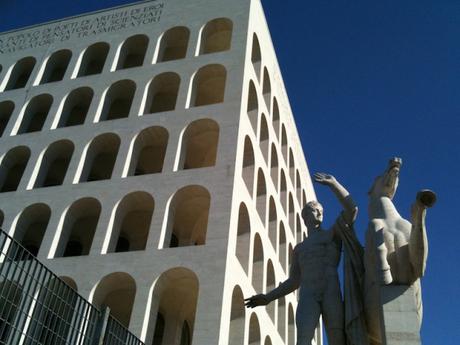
(38, 308)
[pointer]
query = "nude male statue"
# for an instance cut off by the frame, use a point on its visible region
(314, 270)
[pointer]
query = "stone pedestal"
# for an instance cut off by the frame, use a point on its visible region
(401, 315)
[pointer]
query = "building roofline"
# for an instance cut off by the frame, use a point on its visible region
(75, 16)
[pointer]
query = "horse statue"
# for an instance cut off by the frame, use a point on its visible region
(396, 249)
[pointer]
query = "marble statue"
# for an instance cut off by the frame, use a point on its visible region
(396, 249)
(314, 270)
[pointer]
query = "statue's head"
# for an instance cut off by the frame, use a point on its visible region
(386, 184)
(312, 214)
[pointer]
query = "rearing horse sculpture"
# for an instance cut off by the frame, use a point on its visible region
(396, 249)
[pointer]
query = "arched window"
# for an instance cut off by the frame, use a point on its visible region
(256, 56)
(268, 341)
(132, 52)
(269, 286)
(282, 317)
(261, 200)
(272, 222)
(291, 326)
(174, 44)
(258, 264)
(118, 100)
(304, 198)
(188, 217)
(298, 187)
(237, 318)
(54, 164)
(31, 225)
(274, 166)
(283, 191)
(56, 66)
(12, 168)
(93, 59)
(243, 237)
(248, 165)
(20, 73)
(253, 106)
(131, 223)
(263, 137)
(282, 249)
(209, 85)
(35, 114)
(290, 251)
(174, 298)
(291, 214)
(291, 166)
(267, 88)
(100, 158)
(199, 144)
(149, 151)
(284, 146)
(299, 229)
(254, 330)
(76, 106)
(79, 227)
(276, 117)
(216, 36)
(162, 93)
(116, 291)
(6, 109)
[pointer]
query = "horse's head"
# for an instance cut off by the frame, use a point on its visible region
(386, 184)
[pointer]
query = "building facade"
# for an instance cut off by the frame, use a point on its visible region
(150, 158)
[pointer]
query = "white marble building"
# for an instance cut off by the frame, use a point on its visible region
(150, 158)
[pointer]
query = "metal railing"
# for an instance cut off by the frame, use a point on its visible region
(38, 308)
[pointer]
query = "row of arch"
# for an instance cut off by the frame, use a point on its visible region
(128, 229)
(197, 149)
(215, 36)
(160, 95)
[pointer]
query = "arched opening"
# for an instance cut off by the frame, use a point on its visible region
(20, 73)
(253, 106)
(284, 146)
(162, 93)
(304, 198)
(35, 114)
(256, 56)
(282, 248)
(272, 222)
(237, 318)
(12, 168)
(199, 144)
(116, 291)
(267, 88)
(6, 109)
(299, 230)
(290, 252)
(298, 187)
(174, 43)
(291, 214)
(274, 166)
(100, 158)
(276, 117)
(216, 36)
(132, 52)
(2, 218)
(291, 166)
(31, 225)
(269, 286)
(56, 66)
(243, 237)
(258, 265)
(76, 107)
(188, 217)
(54, 164)
(209, 85)
(79, 227)
(93, 59)
(248, 165)
(10, 300)
(69, 282)
(118, 100)
(263, 137)
(282, 318)
(268, 341)
(261, 196)
(173, 308)
(291, 326)
(283, 191)
(254, 330)
(131, 223)
(149, 151)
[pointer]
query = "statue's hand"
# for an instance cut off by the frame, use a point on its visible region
(256, 300)
(324, 179)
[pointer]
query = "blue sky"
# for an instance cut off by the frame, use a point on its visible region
(367, 81)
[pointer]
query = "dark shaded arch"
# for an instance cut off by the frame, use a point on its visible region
(257, 264)
(248, 169)
(76, 106)
(93, 59)
(6, 109)
(253, 106)
(173, 44)
(35, 114)
(162, 93)
(267, 88)
(256, 56)
(132, 52)
(56, 66)
(261, 196)
(237, 318)
(20, 74)
(216, 36)
(264, 137)
(118, 100)
(209, 85)
(12, 168)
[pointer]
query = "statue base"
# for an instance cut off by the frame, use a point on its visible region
(401, 314)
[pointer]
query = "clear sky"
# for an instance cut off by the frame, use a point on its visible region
(367, 80)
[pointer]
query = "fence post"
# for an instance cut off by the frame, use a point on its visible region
(101, 326)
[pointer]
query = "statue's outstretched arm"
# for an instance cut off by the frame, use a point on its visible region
(349, 207)
(289, 285)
